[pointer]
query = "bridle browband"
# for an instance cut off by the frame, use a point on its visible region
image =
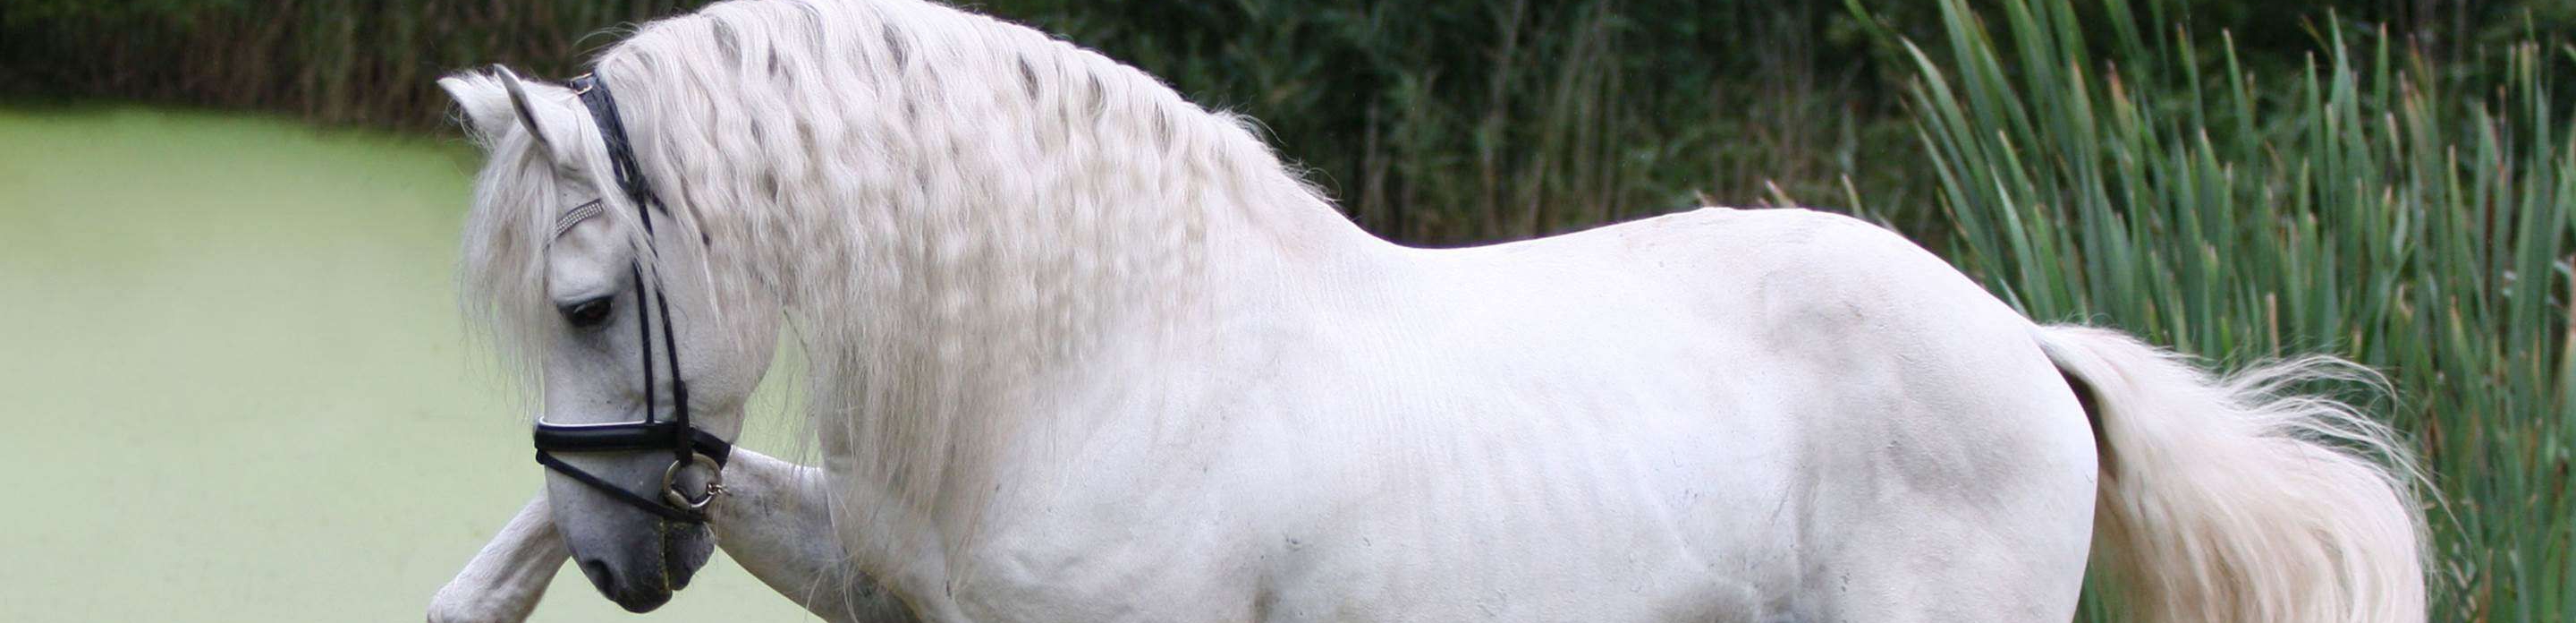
(688, 445)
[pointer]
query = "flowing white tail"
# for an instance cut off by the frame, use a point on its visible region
(2237, 499)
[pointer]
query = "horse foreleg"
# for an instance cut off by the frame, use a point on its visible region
(772, 520)
(775, 520)
(503, 582)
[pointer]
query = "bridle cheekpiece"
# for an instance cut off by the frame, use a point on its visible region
(689, 446)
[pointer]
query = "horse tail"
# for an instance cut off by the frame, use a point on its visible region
(2237, 499)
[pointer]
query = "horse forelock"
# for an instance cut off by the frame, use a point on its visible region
(501, 279)
(942, 201)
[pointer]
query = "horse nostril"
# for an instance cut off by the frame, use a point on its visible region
(600, 576)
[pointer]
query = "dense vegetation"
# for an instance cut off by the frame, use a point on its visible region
(1434, 122)
(2365, 203)
(2385, 179)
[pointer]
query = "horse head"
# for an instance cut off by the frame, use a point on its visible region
(644, 362)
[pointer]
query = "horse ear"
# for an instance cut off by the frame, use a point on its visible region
(494, 99)
(527, 114)
(485, 102)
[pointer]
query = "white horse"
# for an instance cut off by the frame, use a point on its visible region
(1083, 351)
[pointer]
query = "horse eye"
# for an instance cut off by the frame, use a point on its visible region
(586, 313)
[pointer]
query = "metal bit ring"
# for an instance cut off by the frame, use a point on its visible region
(671, 483)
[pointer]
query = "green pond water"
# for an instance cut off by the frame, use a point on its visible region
(236, 387)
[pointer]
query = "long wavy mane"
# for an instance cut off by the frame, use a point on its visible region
(947, 205)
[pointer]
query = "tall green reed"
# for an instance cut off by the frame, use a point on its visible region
(2366, 204)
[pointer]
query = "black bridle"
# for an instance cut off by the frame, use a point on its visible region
(688, 445)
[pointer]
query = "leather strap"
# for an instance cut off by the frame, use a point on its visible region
(657, 507)
(677, 435)
(631, 436)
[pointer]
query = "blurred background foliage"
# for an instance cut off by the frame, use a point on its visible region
(2376, 198)
(2390, 180)
(1434, 122)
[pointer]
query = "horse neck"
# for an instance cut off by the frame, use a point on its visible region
(952, 210)
(984, 274)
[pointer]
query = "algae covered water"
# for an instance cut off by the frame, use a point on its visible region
(236, 385)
